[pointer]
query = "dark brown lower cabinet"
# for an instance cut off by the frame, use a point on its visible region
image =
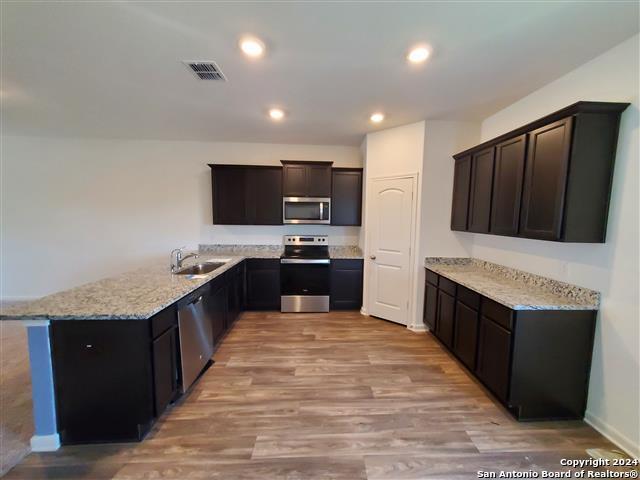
(165, 369)
(446, 318)
(217, 309)
(466, 334)
(263, 284)
(346, 284)
(536, 362)
(430, 306)
(104, 379)
(494, 357)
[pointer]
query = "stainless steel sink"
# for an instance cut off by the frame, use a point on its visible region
(200, 268)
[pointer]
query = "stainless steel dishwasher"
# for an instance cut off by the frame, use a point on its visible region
(196, 336)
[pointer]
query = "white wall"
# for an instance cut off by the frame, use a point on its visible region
(442, 140)
(393, 152)
(611, 268)
(76, 210)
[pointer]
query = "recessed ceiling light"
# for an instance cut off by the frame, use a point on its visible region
(252, 47)
(377, 117)
(276, 114)
(418, 54)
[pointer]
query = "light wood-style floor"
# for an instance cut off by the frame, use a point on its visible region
(327, 396)
(16, 424)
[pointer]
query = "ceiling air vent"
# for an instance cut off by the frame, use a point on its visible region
(206, 70)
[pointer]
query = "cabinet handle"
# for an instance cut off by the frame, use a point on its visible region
(372, 257)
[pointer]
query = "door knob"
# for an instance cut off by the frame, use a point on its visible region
(372, 257)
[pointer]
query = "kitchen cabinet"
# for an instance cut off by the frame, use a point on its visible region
(263, 284)
(235, 293)
(346, 196)
(104, 379)
(346, 284)
(430, 306)
(480, 193)
(466, 333)
(446, 318)
(494, 356)
(508, 176)
(229, 194)
(217, 311)
(306, 179)
(545, 180)
(165, 369)
(536, 362)
(460, 202)
(246, 195)
(552, 178)
(264, 193)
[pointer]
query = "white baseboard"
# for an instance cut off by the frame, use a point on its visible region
(417, 328)
(613, 434)
(363, 311)
(45, 443)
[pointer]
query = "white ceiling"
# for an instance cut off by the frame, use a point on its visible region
(113, 70)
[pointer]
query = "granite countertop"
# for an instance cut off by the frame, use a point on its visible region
(513, 288)
(137, 295)
(141, 293)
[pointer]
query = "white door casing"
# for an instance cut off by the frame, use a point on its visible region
(392, 217)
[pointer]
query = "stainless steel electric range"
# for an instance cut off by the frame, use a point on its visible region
(304, 274)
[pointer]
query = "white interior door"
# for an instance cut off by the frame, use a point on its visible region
(391, 226)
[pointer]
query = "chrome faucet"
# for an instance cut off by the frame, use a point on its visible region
(177, 259)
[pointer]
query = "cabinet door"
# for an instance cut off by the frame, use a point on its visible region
(165, 370)
(229, 195)
(430, 306)
(115, 404)
(545, 181)
(346, 197)
(235, 296)
(318, 180)
(460, 201)
(507, 186)
(346, 284)
(294, 180)
(446, 318)
(264, 195)
(466, 334)
(480, 194)
(217, 309)
(494, 357)
(263, 284)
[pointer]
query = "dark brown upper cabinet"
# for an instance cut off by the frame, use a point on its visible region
(507, 186)
(480, 194)
(346, 196)
(558, 189)
(306, 179)
(246, 195)
(460, 202)
(545, 180)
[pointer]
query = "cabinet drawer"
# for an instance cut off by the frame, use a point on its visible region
(469, 297)
(447, 285)
(432, 277)
(163, 320)
(498, 313)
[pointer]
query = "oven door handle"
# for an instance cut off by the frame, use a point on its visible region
(316, 261)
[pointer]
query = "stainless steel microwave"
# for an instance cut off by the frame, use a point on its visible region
(306, 210)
